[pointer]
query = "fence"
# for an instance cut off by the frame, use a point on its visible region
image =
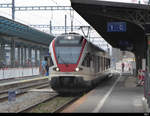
(6, 73)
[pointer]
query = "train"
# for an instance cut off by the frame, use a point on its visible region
(76, 64)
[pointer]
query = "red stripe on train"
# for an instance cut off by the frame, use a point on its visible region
(53, 45)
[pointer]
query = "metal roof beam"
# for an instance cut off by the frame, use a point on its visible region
(56, 27)
(35, 8)
(5, 5)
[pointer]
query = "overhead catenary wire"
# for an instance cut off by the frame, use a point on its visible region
(71, 13)
(67, 12)
(72, 18)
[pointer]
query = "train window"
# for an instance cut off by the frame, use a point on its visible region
(104, 63)
(67, 55)
(102, 59)
(64, 41)
(87, 60)
(95, 65)
(101, 64)
(68, 40)
(98, 63)
(69, 37)
(108, 63)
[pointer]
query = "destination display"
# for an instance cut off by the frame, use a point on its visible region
(64, 41)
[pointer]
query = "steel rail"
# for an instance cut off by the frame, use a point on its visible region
(34, 105)
(22, 90)
(59, 109)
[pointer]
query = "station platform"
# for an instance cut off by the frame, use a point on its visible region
(116, 95)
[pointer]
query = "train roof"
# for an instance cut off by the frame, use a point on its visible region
(77, 34)
(96, 47)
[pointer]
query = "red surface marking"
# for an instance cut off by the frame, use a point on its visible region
(67, 68)
(53, 44)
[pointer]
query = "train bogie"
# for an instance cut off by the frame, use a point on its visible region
(68, 84)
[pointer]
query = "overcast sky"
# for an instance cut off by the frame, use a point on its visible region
(44, 17)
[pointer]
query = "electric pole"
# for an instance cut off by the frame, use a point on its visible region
(13, 9)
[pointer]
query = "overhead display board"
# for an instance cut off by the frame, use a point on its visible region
(116, 27)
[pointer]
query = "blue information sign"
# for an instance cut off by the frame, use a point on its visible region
(116, 27)
(11, 95)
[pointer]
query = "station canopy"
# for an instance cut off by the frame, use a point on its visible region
(133, 17)
(15, 29)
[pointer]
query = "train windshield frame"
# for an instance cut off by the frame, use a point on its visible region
(70, 40)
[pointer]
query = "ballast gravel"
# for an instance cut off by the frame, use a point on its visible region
(24, 101)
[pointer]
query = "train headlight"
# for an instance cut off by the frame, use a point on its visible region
(77, 69)
(57, 69)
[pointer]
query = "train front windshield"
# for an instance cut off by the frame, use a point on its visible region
(68, 49)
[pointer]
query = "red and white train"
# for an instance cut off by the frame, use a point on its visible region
(76, 64)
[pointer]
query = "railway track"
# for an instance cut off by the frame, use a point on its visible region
(23, 89)
(62, 107)
(46, 101)
(54, 104)
(26, 109)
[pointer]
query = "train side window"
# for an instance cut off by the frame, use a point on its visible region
(106, 63)
(98, 63)
(102, 63)
(99, 59)
(86, 62)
